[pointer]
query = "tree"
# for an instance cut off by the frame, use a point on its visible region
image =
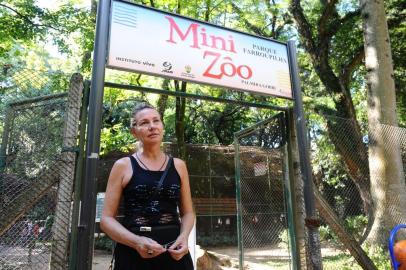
(386, 170)
(317, 33)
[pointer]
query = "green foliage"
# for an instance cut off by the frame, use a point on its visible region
(342, 261)
(24, 22)
(217, 240)
(283, 239)
(326, 234)
(379, 255)
(355, 225)
(103, 242)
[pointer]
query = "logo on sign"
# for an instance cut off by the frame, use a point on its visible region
(187, 73)
(167, 67)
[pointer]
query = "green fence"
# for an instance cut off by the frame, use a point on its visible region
(37, 162)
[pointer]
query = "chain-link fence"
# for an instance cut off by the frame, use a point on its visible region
(350, 169)
(39, 133)
(263, 188)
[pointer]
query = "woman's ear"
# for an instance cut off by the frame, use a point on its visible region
(133, 132)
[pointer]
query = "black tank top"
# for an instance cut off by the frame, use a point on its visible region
(141, 206)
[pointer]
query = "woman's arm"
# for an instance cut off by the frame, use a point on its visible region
(108, 222)
(180, 247)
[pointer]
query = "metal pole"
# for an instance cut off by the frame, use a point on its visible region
(304, 153)
(88, 206)
(239, 204)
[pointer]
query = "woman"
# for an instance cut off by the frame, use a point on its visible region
(150, 211)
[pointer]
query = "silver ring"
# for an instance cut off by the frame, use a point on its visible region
(150, 251)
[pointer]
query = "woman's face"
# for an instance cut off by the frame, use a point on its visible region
(148, 126)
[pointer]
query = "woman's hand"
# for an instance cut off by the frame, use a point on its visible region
(148, 248)
(179, 249)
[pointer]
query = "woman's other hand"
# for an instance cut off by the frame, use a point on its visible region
(179, 249)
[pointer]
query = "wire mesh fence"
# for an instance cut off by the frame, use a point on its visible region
(37, 162)
(345, 174)
(36, 155)
(262, 187)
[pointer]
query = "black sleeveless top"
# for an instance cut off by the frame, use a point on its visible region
(141, 207)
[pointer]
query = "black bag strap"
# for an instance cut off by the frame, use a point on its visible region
(161, 181)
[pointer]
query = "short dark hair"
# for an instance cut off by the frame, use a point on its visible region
(139, 107)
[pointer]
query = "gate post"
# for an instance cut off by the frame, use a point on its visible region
(3, 150)
(67, 162)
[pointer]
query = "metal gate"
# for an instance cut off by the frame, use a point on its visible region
(263, 194)
(37, 167)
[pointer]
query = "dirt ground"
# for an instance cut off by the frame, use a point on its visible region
(255, 259)
(102, 259)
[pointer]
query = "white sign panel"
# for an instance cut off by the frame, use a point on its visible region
(99, 205)
(164, 44)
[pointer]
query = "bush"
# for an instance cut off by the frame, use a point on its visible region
(217, 240)
(103, 243)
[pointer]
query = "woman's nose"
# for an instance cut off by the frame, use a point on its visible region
(152, 125)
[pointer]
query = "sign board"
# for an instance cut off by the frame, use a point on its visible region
(164, 44)
(99, 205)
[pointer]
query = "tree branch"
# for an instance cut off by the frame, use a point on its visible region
(349, 67)
(304, 26)
(328, 12)
(333, 29)
(249, 25)
(28, 20)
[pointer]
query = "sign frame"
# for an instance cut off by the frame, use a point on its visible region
(192, 20)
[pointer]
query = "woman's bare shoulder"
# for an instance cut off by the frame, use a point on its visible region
(121, 171)
(180, 166)
(122, 162)
(179, 162)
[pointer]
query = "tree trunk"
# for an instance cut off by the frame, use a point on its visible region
(343, 128)
(180, 120)
(163, 99)
(386, 170)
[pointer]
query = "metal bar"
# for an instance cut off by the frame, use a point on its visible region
(37, 99)
(78, 178)
(288, 206)
(305, 165)
(239, 205)
(193, 96)
(88, 207)
(256, 126)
